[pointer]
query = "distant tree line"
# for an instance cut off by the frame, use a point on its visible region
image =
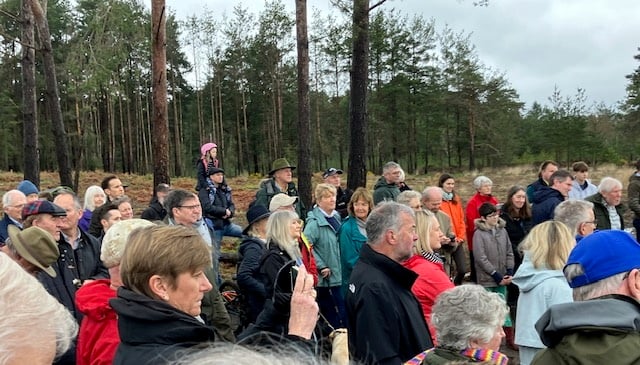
(432, 103)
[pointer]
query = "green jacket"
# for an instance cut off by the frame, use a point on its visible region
(600, 331)
(601, 212)
(268, 188)
(633, 192)
(326, 248)
(384, 191)
(213, 308)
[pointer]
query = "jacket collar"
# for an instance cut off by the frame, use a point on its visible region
(395, 271)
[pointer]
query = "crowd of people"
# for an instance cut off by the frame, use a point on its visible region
(384, 276)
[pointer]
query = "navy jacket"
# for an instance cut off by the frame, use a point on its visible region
(4, 227)
(545, 200)
(215, 209)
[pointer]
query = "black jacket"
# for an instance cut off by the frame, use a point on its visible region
(152, 331)
(602, 214)
(386, 324)
(216, 208)
(72, 268)
(342, 201)
(155, 211)
(250, 252)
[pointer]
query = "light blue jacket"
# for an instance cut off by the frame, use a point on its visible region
(539, 289)
(351, 240)
(577, 193)
(326, 248)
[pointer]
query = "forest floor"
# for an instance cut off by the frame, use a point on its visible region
(140, 190)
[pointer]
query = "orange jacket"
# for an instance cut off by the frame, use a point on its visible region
(453, 208)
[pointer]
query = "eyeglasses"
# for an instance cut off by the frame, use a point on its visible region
(190, 207)
(594, 222)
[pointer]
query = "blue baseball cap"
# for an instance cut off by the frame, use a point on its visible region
(604, 254)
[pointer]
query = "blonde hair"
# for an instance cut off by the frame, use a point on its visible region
(424, 224)
(167, 251)
(323, 190)
(549, 244)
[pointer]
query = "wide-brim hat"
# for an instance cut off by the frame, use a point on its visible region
(280, 164)
(37, 246)
(255, 213)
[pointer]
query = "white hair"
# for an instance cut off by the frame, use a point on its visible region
(480, 181)
(608, 183)
(606, 286)
(467, 313)
(227, 353)
(573, 213)
(89, 194)
(29, 316)
(9, 196)
(407, 196)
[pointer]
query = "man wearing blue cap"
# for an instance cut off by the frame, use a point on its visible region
(602, 326)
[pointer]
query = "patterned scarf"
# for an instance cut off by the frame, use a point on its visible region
(481, 355)
(432, 257)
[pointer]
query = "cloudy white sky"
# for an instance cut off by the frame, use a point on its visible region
(538, 44)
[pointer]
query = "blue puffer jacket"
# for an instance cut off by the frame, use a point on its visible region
(326, 248)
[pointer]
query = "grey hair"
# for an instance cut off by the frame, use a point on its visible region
(608, 183)
(176, 198)
(7, 198)
(391, 165)
(573, 213)
(31, 307)
(227, 353)
(278, 232)
(406, 196)
(385, 216)
(480, 181)
(467, 313)
(402, 175)
(77, 204)
(426, 193)
(606, 286)
(91, 192)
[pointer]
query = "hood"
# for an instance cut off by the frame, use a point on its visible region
(482, 225)
(142, 320)
(382, 183)
(544, 193)
(613, 311)
(92, 300)
(527, 277)
(249, 241)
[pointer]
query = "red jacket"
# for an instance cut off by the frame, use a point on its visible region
(432, 280)
(306, 249)
(453, 208)
(472, 214)
(98, 338)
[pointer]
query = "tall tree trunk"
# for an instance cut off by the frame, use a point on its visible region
(358, 100)
(160, 130)
(304, 120)
(31, 149)
(52, 94)
(177, 130)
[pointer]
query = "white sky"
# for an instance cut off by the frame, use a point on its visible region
(537, 44)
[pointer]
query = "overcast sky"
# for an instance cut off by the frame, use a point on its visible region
(537, 44)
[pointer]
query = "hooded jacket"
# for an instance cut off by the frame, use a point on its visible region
(154, 332)
(471, 213)
(492, 253)
(579, 192)
(382, 191)
(539, 289)
(602, 214)
(604, 330)
(545, 200)
(98, 337)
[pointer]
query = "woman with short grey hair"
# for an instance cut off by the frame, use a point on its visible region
(483, 186)
(468, 323)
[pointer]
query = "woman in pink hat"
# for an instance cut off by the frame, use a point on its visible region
(208, 159)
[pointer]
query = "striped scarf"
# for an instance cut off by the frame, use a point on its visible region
(432, 257)
(481, 355)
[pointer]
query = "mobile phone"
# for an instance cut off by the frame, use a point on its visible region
(294, 276)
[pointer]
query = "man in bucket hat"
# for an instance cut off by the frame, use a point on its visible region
(34, 249)
(602, 326)
(280, 181)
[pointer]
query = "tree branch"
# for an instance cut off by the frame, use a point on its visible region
(377, 4)
(14, 17)
(15, 39)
